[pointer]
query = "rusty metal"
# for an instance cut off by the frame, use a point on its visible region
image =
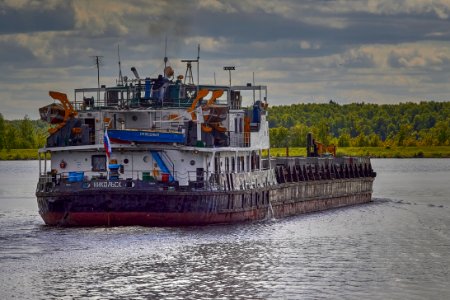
(300, 190)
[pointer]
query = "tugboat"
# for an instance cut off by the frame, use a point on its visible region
(166, 152)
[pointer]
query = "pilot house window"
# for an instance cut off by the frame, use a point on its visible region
(99, 163)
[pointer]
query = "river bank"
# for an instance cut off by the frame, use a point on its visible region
(378, 152)
(19, 154)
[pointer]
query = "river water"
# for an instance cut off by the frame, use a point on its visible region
(397, 247)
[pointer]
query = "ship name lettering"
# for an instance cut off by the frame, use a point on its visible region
(149, 134)
(108, 184)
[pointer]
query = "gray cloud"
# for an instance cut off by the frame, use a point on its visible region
(374, 50)
(33, 17)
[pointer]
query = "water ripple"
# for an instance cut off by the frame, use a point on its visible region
(393, 248)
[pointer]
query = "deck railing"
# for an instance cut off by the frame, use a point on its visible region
(191, 180)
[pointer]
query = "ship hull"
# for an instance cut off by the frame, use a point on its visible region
(109, 207)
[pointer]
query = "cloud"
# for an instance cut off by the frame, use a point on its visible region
(215, 5)
(37, 44)
(34, 16)
(97, 18)
(419, 56)
(439, 8)
(358, 58)
(303, 50)
(31, 4)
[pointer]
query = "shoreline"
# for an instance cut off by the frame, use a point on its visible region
(376, 152)
(373, 152)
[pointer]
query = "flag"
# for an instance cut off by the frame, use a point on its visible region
(107, 144)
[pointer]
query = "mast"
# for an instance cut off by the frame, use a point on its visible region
(188, 76)
(120, 81)
(165, 55)
(254, 89)
(98, 61)
(198, 65)
(229, 69)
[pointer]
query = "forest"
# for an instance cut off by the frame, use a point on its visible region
(351, 125)
(361, 124)
(22, 134)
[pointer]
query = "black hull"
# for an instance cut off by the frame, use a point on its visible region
(141, 205)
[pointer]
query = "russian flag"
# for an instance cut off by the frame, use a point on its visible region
(107, 144)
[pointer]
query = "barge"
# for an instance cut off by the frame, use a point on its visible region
(167, 152)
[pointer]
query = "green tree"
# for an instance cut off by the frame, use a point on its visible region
(344, 140)
(2, 132)
(11, 138)
(298, 135)
(323, 132)
(279, 137)
(27, 135)
(442, 132)
(360, 141)
(374, 140)
(403, 134)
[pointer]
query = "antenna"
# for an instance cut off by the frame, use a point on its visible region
(229, 69)
(254, 89)
(198, 64)
(215, 78)
(188, 74)
(120, 82)
(165, 55)
(189, 68)
(98, 61)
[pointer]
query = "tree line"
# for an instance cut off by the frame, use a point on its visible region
(356, 124)
(361, 124)
(22, 134)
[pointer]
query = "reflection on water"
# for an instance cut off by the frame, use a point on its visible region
(395, 247)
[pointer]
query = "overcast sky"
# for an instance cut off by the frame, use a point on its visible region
(380, 51)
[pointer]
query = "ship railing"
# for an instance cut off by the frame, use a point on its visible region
(71, 176)
(232, 181)
(267, 163)
(80, 176)
(48, 181)
(192, 180)
(140, 93)
(133, 96)
(45, 178)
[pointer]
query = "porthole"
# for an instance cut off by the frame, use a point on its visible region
(145, 158)
(134, 118)
(125, 161)
(192, 162)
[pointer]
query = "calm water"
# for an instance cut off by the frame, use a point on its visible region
(397, 247)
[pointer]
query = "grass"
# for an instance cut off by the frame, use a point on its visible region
(19, 154)
(380, 152)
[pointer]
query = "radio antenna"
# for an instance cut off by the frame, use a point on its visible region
(188, 76)
(98, 61)
(165, 55)
(120, 82)
(198, 65)
(229, 69)
(254, 89)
